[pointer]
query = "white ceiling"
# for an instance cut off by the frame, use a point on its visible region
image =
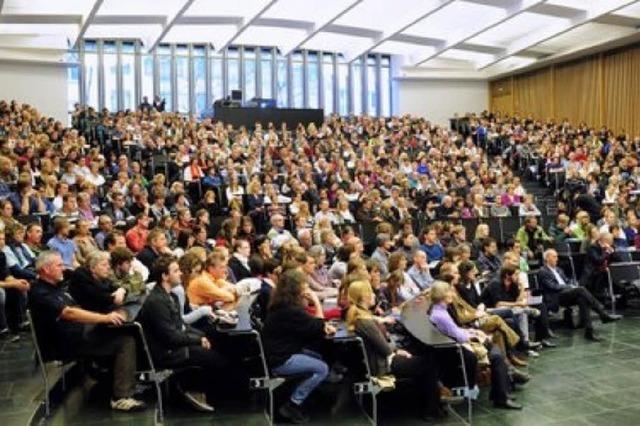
(488, 37)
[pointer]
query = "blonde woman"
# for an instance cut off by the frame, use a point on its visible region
(84, 240)
(386, 359)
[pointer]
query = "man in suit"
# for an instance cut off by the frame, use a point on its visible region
(239, 262)
(557, 291)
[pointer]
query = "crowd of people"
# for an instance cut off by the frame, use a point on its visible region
(185, 217)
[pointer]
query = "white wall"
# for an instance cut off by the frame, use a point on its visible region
(43, 85)
(437, 99)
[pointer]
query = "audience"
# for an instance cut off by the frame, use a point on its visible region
(302, 210)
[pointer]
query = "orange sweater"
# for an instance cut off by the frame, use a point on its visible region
(206, 290)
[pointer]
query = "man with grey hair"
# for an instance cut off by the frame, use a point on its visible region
(278, 235)
(558, 291)
(91, 286)
(66, 330)
(305, 238)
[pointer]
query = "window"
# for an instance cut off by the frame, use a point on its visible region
(200, 79)
(313, 80)
(282, 87)
(343, 88)
(356, 87)
(178, 74)
(147, 77)
(327, 82)
(372, 86)
(91, 73)
(217, 82)
(182, 73)
(249, 73)
(297, 81)
(110, 76)
(233, 69)
(164, 58)
(266, 57)
(385, 84)
(128, 76)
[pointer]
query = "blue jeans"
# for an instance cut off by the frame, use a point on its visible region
(305, 364)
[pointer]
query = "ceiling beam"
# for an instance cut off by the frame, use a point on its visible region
(619, 20)
(321, 27)
(209, 20)
(130, 20)
(352, 31)
(87, 21)
(41, 19)
(400, 27)
(516, 9)
(284, 23)
(245, 24)
(555, 10)
(1, 5)
(538, 37)
(170, 24)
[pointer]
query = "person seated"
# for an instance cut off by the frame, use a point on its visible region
(69, 208)
(71, 331)
(277, 234)
(446, 210)
(174, 344)
(13, 299)
(105, 226)
(599, 255)
(384, 357)
(239, 262)
(289, 333)
(579, 227)
(324, 212)
(26, 200)
(84, 241)
(137, 235)
(156, 245)
(431, 245)
(488, 261)
(442, 296)
(477, 317)
(558, 291)
(528, 207)
(419, 271)
(560, 230)
(33, 239)
(117, 210)
(532, 237)
(61, 243)
(211, 286)
(382, 251)
(318, 275)
(19, 257)
(91, 288)
(505, 296)
(114, 240)
(123, 275)
(338, 268)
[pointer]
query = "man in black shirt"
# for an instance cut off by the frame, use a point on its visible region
(65, 330)
(174, 344)
(506, 297)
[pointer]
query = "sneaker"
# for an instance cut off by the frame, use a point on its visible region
(293, 413)
(198, 401)
(127, 405)
(533, 354)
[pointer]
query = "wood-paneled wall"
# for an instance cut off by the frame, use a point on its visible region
(599, 89)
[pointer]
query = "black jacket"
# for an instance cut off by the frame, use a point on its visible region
(167, 335)
(90, 293)
(550, 286)
(148, 257)
(239, 270)
(288, 330)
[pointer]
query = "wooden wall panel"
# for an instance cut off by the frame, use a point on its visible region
(600, 89)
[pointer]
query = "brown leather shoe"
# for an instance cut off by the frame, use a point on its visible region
(518, 362)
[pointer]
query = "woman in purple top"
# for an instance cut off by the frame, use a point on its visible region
(441, 297)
